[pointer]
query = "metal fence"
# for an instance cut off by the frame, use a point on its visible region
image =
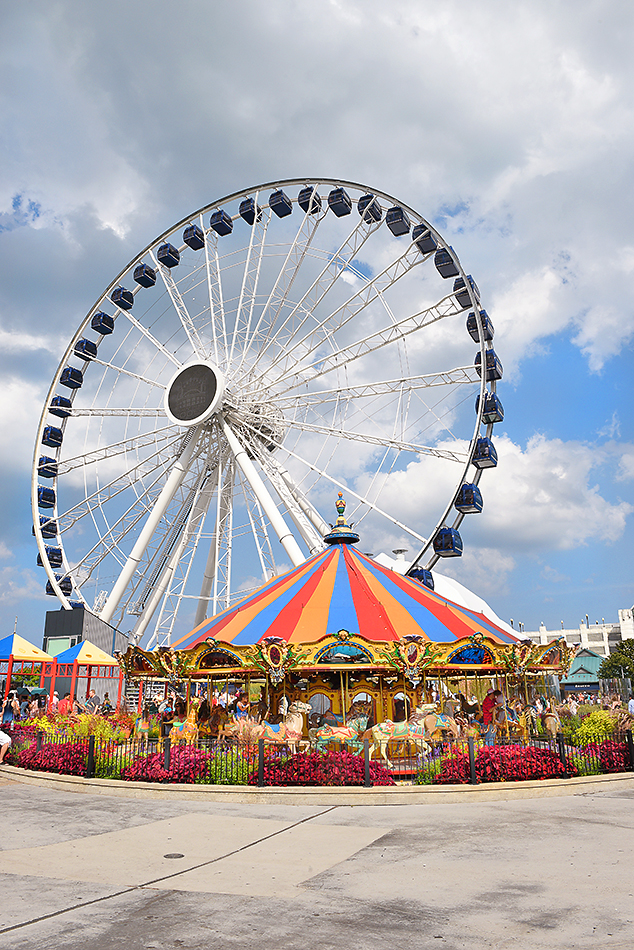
(455, 761)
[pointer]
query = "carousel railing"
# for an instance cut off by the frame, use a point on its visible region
(462, 760)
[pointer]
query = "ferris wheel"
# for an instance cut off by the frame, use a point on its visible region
(279, 345)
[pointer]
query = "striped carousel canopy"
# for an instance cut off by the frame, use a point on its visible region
(343, 589)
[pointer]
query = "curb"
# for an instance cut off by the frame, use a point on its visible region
(353, 795)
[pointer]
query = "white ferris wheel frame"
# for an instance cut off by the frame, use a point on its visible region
(241, 459)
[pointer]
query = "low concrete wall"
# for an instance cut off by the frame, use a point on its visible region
(352, 795)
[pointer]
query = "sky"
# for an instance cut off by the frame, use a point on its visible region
(508, 126)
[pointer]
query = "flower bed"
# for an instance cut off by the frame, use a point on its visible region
(321, 768)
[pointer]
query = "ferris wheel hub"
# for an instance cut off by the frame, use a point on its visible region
(195, 393)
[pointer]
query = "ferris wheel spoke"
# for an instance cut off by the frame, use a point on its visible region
(174, 480)
(148, 335)
(348, 310)
(112, 411)
(218, 323)
(215, 590)
(370, 438)
(364, 500)
(110, 541)
(259, 531)
(321, 526)
(388, 335)
(97, 499)
(461, 375)
(165, 435)
(266, 326)
(339, 262)
(127, 372)
(180, 307)
(312, 539)
(190, 538)
(250, 281)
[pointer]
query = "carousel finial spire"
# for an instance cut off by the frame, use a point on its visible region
(342, 532)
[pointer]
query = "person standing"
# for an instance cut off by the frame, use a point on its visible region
(5, 743)
(490, 710)
(65, 706)
(630, 705)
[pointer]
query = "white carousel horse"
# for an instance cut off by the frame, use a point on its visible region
(288, 732)
(413, 730)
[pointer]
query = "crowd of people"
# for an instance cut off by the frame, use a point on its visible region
(21, 705)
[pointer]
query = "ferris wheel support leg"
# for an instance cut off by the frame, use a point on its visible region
(198, 511)
(172, 484)
(250, 472)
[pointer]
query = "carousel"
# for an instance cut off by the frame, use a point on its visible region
(341, 632)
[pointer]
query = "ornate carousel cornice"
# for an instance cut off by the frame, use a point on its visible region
(411, 656)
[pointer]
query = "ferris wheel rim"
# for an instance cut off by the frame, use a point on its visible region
(279, 184)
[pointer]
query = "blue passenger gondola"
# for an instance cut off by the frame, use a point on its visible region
(86, 349)
(398, 221)
(103, 323)
(60, 406)
(145, 275)
(487, 326)
(168, 255)
(447, 543)
(47, 467)
(248, 210)
(221, 222)
(469, 500)
(193, 237)
(369, 209)
(48, 528)
(492, 411)
(308, 199)
(461, 291)
(493, 365)
(424, 239)
(52, 436)
(122, 298)
(280, 203)
(53, 556)
(485, 455)
(45, 497)
(340, 202)
(71, 377)
(65, 583)
(423, 576)
(444, 263)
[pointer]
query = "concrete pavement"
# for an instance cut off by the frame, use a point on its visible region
(93, 872)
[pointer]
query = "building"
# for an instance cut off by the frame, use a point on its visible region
(599, 638)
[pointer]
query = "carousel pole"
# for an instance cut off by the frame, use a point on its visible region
(53, 677)
(120, 688)
(343, 697)
(139, 707)
(9, 671)
(73, 681)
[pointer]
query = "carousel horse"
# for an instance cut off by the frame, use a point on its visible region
(435, 724)
(350, 734)
(288, 732)
(141, 728)
(413, 730)
(214, 726)
(187, 731)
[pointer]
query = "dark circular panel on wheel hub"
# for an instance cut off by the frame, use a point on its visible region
(194, 393)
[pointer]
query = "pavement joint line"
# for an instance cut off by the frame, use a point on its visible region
(167, 877)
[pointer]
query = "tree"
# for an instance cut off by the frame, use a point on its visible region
(619, 663)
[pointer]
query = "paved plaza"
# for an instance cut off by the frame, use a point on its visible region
(94, 872)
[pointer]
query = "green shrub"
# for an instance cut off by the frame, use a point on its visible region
(596, 727)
